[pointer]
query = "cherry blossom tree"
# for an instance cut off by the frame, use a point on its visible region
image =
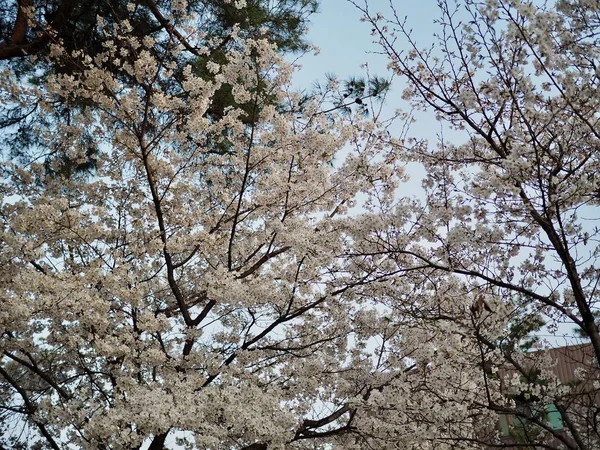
(256, 280)
(28, 27)
(505, 235)
(195, 291)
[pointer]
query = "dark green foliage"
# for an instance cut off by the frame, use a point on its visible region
(284, 22)
(520, 333)
(352, 94)
(580, 332)
(359, 89)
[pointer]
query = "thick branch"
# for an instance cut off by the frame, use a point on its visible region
(31, 408)
(20, 29)
(18, 47)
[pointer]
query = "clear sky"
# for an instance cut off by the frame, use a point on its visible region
(346, 44)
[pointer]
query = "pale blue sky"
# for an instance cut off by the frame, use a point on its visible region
(346, 43)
